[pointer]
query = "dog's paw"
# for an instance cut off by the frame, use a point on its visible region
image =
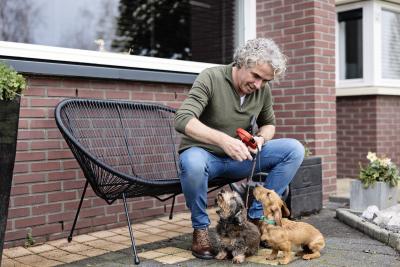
(221, 255)
(270, 257)
(284, 261)
(238, 259)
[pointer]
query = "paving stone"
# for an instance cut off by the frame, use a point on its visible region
(170, 250)
(16, 252)
(121, 230)
(99, 243)
(76, 248)
(170, 259)
(169, 234)
(185, 230)
(71, 258)
(61, 243)
(54, 254)
(155, 222)
(185, 254)
(151, 254)
(116, 247)
(170, 226)
(41, 248)
(30, 259)
(139, 226)
(118, 238)
(184, 223)
(92, 252)
(12, 263)
(84, 238)
(102, 234)
(153, 230)
(152, 238)
(46, 263)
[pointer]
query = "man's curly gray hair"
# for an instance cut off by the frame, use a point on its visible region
(259, 51)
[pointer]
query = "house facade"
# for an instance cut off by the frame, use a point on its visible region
(311, 103)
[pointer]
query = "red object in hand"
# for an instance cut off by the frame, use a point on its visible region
(246, 138)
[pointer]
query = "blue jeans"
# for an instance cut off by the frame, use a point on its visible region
(281, 158)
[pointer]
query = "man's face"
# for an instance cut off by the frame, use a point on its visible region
(252, 79)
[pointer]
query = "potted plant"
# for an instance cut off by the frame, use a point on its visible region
(305, 190)
(12, 85)
(377, 184)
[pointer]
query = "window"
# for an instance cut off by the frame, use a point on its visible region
(350, 44)
(390, 44)
(202, 30)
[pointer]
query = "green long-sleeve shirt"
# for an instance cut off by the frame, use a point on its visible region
(215, 102)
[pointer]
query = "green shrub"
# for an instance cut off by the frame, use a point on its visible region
(379, 169)
(12, 84)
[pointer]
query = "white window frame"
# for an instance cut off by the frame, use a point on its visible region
(245, 29)
(372, 82)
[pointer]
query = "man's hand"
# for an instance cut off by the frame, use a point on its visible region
(235, 149)
(260, 141)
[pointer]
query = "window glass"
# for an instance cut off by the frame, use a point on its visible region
(350, 44)
(200, 30)
(390, 44)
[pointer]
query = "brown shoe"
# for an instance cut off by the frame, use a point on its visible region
(201, 245)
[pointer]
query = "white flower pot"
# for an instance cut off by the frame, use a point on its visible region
(380, 194)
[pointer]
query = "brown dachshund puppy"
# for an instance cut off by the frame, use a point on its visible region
(281, 234)
(235, 235)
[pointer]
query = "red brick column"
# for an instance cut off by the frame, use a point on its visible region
(305, 99)
(366, 123)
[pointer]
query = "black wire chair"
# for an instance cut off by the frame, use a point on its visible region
(125, 149)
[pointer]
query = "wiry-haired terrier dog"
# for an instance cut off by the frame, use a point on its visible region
(235, 236)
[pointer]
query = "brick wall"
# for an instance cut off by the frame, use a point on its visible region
(366, 123)
(48, 183)
(305, 99)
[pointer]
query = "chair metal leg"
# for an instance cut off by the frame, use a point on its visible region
(136, 258)
(172, 208)
(77, 212)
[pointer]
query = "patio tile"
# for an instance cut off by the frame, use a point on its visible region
(170, 250)
(46, 263)
(30, 259)
(101, 244)
(151, 255)
(170, 234)
(93, 252)
(139, 226)
(83, 238)
(54, 254)
(152, 238)
(170, 259)
(122, 230)
(170, 226)
(184, 223)
(185, 215)
(71, 258)
(12, 263)
(185, 254)
(155, 222)
(185, 230)
(102, 234)
(153, 230)
(76, 248)
(41, 248)
(16, 252)
(118, 238)
(61, 243)
(115, 247)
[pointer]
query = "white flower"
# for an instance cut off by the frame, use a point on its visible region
(385, 162)
(372, 156)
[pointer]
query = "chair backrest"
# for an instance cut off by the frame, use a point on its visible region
(134, 138)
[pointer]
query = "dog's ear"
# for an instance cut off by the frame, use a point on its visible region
(276, 211)
(285, 210)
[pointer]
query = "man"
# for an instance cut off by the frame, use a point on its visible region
(222, 99)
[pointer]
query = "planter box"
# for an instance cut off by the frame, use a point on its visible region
(380, 194)
(305, 190)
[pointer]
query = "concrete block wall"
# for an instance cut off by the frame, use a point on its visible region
(305, 99)
(366, 123)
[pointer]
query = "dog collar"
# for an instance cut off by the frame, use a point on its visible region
(268, 221)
